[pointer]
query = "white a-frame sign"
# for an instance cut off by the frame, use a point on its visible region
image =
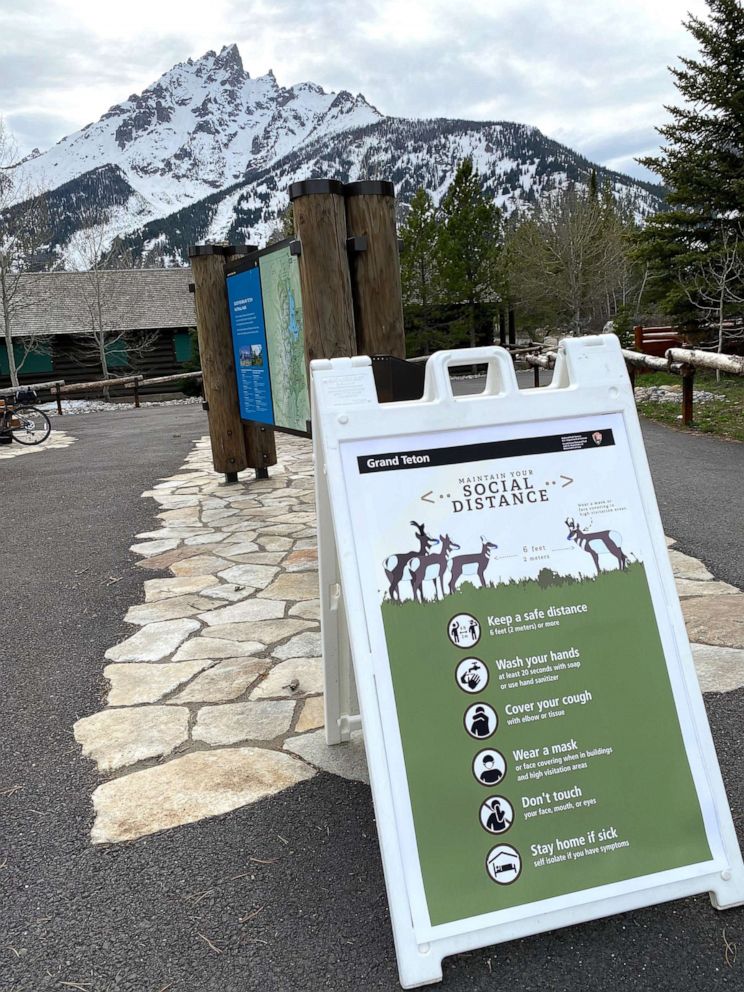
(538, 749)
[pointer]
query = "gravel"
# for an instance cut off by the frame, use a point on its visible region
(672, 394)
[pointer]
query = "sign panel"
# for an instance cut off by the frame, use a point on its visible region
(538, 748)
(532, 695)
(249, 345)
(267, 286)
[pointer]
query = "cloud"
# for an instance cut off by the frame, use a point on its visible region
(32, 129)
(591, 76)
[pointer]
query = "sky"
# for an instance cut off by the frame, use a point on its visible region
(592, 74)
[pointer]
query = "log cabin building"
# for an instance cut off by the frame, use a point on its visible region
(148, 316)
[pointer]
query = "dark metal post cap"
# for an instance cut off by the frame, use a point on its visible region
(370, 187)
(195, 251)
(309, 187)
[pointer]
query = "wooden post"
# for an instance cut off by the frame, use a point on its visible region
(260, 448)
(502, 327)
(136, 394)
(327, 305)
(374, 264)
(58, 397)
(688, 380)
(536, 374)
(217, 359)
(259, 439)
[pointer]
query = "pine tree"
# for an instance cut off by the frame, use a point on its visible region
(468, 244)
(702, 162)
(419, 232)
(593, 187)
(425, 329)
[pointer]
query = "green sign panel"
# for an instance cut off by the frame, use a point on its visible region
(282, 304)
(553, 754)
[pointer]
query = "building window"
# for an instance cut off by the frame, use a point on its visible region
(35, 363)
(116, 354)
(182, 344)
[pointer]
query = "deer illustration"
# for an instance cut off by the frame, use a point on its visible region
(432, 567)
(596, 543)
(395, 565)
(461, 564)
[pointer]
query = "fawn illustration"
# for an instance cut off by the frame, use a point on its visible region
(432, 566)
(596, 543)
(395, 565)
(462, 562)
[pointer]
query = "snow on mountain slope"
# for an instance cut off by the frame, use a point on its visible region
(207, 153)
(518, 165)
(197, 129)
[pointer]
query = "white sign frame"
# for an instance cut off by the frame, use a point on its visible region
(589, 380)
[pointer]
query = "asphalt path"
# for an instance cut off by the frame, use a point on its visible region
(286, 895)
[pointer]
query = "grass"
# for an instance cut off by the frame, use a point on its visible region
(724, 418)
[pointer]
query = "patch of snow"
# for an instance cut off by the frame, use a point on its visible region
(73, 407)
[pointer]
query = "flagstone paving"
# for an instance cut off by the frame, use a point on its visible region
(215, 699)
(57, 439)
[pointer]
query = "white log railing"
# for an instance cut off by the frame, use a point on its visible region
(679, 361)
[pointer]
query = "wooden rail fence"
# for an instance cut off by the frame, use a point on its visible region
(135, 382)
(679, 361)
(59, 388)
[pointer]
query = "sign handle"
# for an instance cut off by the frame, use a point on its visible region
(500, 379)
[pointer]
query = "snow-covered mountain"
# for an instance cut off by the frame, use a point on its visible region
(207, 153)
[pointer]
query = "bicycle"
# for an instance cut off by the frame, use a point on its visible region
(22, 422)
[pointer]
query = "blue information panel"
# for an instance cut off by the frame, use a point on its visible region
(249, 344)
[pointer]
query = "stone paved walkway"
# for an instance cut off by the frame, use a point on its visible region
(57, 439)
(215, 700)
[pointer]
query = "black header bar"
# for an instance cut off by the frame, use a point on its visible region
(398, 461)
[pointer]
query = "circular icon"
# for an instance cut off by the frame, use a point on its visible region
(496, 815)
(471, 675)
(463, 630)
(481, 720)
(503, 864)
(489, 766)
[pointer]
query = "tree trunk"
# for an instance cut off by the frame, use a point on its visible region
(721, 303)
(104, 362)
(13, 371)
(641, 291)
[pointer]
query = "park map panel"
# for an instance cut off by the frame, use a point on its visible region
(266, 318)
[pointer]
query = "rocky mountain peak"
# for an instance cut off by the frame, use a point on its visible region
(229, 58)
(209, 150)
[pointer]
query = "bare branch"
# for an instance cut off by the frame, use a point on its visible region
(101, 258)
(23, 235)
